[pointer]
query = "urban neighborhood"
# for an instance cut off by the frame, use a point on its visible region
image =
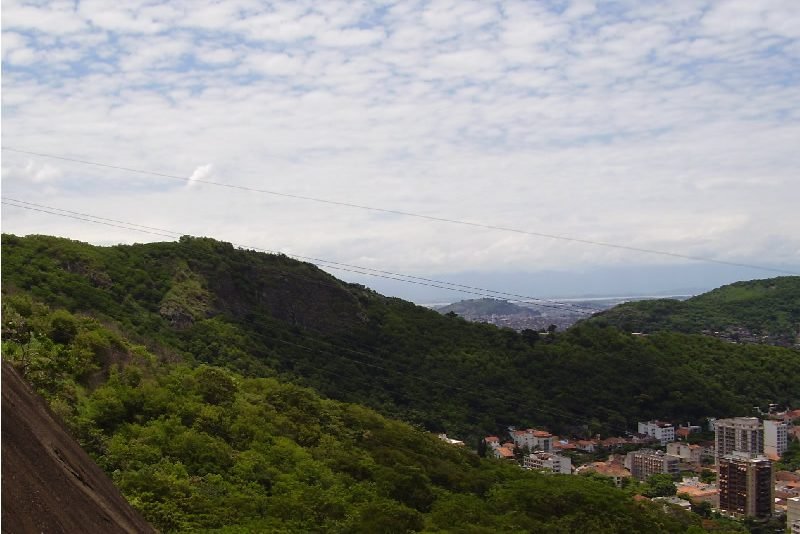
(723, 466)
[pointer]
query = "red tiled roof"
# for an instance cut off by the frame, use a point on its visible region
(492, 439)
(610, 469)
(542, 434)
(505, 452)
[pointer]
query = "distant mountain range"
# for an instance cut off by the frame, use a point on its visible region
(485, 307)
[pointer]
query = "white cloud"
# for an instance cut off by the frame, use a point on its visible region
(201, 173)
(669, 125)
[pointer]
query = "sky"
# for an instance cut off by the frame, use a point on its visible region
(672, 126)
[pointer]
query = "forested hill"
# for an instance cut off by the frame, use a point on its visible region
(197, 448)
(204, 301)
(757, 311)
(486, 306)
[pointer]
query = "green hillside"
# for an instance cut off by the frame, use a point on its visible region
(201, 301)
(197, 448)
(761, 311)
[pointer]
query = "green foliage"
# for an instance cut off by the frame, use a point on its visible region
(201, 448)
(758, 310)
(203, 301)
(659, 486)
(707, 476)
(790, 459)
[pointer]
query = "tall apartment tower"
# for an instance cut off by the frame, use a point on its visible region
(746, 485)
(775, 438)
(739, 434)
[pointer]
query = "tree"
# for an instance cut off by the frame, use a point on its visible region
(659, 486)
(707, 476)
(215, 385)
(482, 448)
(63, 327)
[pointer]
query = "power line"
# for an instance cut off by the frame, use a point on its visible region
(403, 213)
(389, 275)
(404, 368)
(263, 335)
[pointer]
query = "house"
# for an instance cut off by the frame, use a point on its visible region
(613, 469)
(492, 442)
(564, 445)
(613, 442)
(586, 445)
(503, 453)
(699, 491)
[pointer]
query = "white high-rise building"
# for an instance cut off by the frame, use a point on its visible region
(775, 438)
(739, 434)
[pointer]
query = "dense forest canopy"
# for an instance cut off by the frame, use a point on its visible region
(197, 447)
(766, 311)
(202, 301)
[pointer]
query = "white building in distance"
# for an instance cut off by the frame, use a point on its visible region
(775, 438)
(663, 432)
(545, 461)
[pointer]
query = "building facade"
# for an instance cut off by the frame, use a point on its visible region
(739, 434)
(663, 432)
(793, 515)
(746, 486)
(535, 440)
(545, 461)
(775, 438)
(684, 451)
(645, 463)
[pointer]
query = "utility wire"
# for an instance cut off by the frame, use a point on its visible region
(403, 371)
(460, 288)
(403, 213)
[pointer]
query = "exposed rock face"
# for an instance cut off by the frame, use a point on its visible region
(50, 484)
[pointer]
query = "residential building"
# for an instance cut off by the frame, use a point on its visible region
(645, 463)
(613, 469)
(746, 485)
(663, 432)
(775, 438)
(503, 453)
(688, 453)
(535, 440)
(699, 491)
(739, 434)
(548, 462)
(492, 442)
(675, 501)
(793, 515)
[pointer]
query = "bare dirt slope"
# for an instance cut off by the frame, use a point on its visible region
(50, 484)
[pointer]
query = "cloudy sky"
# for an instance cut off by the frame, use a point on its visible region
(662, 125)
